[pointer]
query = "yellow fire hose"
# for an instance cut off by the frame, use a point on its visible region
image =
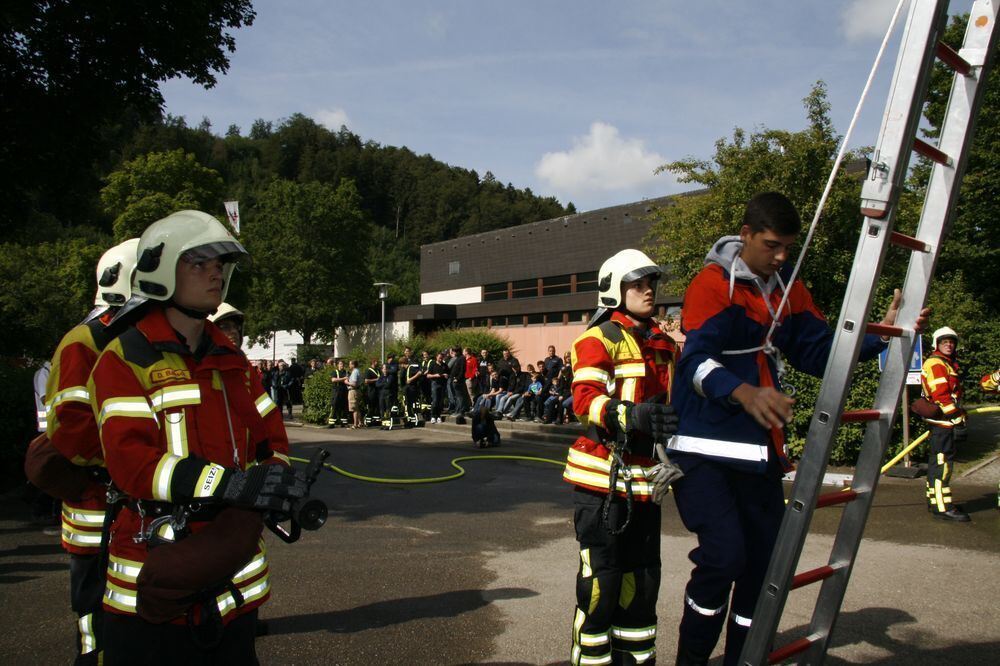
(461, 470)
(433, 479)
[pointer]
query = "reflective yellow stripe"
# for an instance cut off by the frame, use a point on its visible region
(71, 394)
(282, 457)
(208, 480)
(122, 569)
(634, 634)
(628, 389)
(134, 407)
(88, 640)
(252, 568)
(595, 463)
(585, 570)
(939, 380)
(78, 537)
(595, 480)
(596, 411)
(177, 440)
(948, 409)
(82, 516)
(119, 597)
(162, 475)
(226, 603)
(265, 404)
(590, 640)
(591, 375)
(630, 370)
(176, 396)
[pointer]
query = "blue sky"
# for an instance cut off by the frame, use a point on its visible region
(576, 99)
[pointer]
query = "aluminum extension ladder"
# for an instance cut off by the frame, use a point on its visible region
(920, 45)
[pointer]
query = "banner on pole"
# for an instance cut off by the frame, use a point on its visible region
(233, 213)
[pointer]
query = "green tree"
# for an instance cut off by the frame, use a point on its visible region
(72, 73)
(152, 186)
(49, 287)
(309, 272)
(794, 163)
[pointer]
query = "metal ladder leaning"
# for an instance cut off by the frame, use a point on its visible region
(920, 45)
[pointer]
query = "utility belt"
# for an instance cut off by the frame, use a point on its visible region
(166, 522)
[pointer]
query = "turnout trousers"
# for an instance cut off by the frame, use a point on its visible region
(86, 590)
(617, 583)
(132, 640)
(736, 516)
(939, 468)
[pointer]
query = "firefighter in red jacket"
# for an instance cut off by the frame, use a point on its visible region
(942, 386)
(622, 368)
(72, 430)
(199, 451)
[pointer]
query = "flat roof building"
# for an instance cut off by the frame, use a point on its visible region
(535, 283)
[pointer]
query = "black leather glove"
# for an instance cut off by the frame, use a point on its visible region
(657, 420)
(263, 487)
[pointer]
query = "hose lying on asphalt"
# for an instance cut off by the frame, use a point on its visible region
(432, 479)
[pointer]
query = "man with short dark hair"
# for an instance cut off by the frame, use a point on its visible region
(731, 441)
(552, 364)
(456, 378)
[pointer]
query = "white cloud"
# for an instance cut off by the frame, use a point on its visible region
(867, 19)
(332, 119)
(600, 161)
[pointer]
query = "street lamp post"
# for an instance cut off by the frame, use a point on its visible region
(383, 293)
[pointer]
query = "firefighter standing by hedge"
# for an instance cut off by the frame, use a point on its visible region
(991, 384)
(199, 451)
(619, 482)
(941, 383)
(72, 431)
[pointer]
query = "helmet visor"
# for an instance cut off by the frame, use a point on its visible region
(226, 251)
(634, 275)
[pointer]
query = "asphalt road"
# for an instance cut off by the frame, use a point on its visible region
(481, 569)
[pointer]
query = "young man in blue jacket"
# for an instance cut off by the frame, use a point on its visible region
(731, 442)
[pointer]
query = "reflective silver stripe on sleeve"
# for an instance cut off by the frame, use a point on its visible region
(740, 620)
(703, 371)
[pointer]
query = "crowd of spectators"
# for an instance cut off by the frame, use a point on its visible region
(457, 381)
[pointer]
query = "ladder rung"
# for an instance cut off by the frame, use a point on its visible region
(791, 649)
(909, 242)
(860, 415)
(885, 331)
(814, 575)
(950, 57)
(930, 152)
(838, 497)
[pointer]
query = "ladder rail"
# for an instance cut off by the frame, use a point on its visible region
(936, 217)
(879, 194)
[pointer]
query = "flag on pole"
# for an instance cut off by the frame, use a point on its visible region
(233, 213)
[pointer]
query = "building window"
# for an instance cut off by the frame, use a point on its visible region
(553, 286)
(454, 267)
(524, 289)
(579, 316)
(535, 319)
(586, 281)
(495, 292)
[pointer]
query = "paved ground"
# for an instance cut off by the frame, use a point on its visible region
(480, 570)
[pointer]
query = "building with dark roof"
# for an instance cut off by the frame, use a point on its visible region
(535, 283)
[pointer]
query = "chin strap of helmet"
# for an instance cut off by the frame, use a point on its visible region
(194, 314)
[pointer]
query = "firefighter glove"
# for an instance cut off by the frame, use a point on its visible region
(264, 488)
(654, 419)
(663, 474)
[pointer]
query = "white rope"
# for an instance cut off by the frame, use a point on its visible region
(836, 167)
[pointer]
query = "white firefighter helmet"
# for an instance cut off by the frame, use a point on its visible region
(227, 311)
(943, 333)
(114, 274)
(625, 266)
(189, 232)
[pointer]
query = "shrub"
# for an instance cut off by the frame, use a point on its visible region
(316, 396)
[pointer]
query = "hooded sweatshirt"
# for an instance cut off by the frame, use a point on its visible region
(726, 316)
